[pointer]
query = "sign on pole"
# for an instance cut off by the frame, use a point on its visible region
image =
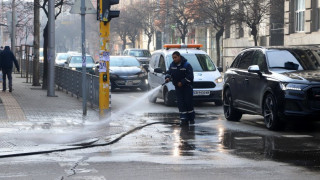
(76, 7)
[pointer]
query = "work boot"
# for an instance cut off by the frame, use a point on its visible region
(184, 123)
(10, 90)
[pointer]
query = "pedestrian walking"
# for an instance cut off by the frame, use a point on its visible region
(181, 74)
(7, 59)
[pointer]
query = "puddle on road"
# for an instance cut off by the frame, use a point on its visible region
(194, 140)
(298, 151)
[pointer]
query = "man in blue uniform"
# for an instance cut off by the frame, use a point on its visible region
(181, 74)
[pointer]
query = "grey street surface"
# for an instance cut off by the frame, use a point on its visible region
(212, 149)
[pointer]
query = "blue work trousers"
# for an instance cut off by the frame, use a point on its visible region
(185, 103)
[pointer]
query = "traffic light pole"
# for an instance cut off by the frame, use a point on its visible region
(104, 79)
(104, 14)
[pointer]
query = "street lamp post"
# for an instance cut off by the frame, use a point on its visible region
(13, 34)
(84, 66)
(51, 48)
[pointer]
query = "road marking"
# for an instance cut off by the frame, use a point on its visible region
(297, 136)
(248, 138)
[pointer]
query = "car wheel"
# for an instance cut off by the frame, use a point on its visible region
(152, 97)
(218, 103)
(230, 113)
(168, 100)
(270, 113)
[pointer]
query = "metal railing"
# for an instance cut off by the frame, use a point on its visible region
(71, 81)
(65, 79)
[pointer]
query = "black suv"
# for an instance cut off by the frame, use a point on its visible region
(277, 83)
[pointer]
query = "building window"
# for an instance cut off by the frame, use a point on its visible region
(299, 15)
(315, 19)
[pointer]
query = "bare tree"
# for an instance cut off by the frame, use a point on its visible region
(181, 15)
(24, 12)
(121, 27)
(134, 24)
(217, 13)
(58, 6)
(253, 12)
(147, 20)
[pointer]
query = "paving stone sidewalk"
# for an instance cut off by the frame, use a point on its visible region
(29, 108)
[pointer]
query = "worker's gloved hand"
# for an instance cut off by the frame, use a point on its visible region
(167, 80)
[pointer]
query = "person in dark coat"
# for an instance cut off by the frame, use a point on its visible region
(181, 74)
(7, 59)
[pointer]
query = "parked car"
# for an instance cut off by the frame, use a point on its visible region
(61, 58)
(277, 83)
(126, 72)
(74, 62)
(143, 55)
(208, 82)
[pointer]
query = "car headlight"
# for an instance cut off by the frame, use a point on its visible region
(74, 69)
(219, 80)
(291, 86)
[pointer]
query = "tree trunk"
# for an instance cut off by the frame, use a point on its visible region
(45, 58)
(149, 41)
(254, 33)
(36, 44)
(124, 44)
(133, 43)
(183, 39)
(219, 34)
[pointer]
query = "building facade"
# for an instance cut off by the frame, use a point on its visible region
(302, 20)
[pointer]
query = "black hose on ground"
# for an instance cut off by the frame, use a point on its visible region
(86, 146)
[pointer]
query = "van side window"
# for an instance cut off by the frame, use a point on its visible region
(162, 64)
(154, 61)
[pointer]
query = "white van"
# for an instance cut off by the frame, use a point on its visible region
(208, 82)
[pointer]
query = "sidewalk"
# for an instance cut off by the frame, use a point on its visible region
(29, 117)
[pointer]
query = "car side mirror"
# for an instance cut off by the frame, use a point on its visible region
(158, 70)
(220, 69)
(254, 69)
(66, 62)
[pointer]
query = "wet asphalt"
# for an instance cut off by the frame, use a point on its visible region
(297, 145)
(211, 143)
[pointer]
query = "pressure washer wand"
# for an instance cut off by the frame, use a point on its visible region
(166, 82)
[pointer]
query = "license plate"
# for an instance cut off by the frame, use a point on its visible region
(201, 93)
(129, 83)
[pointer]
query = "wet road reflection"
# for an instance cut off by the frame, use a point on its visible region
(210, 136)
(301, 151)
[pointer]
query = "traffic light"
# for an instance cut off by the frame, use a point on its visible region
(107, 14)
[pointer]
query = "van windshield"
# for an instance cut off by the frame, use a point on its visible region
(199, 62)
